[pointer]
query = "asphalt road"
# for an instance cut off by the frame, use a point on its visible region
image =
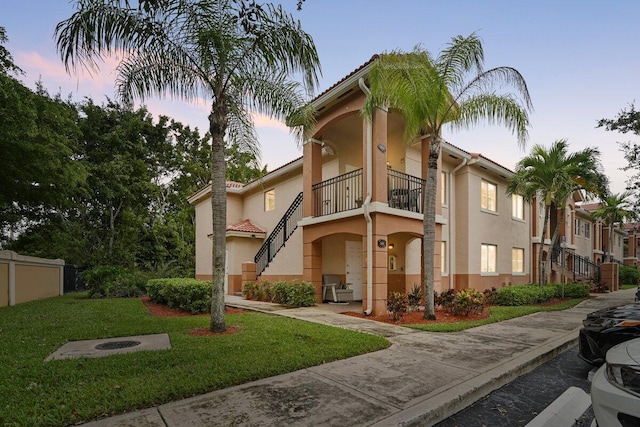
(520, 401)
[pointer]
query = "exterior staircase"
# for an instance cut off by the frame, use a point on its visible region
(279, 236)
(578, 268)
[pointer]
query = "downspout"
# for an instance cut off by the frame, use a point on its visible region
(367, 204)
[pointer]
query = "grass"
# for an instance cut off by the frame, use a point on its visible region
(496, 314)
(64, 392)
(626, 286)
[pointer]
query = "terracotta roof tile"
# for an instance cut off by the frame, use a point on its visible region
(245, 226)
(590, 207)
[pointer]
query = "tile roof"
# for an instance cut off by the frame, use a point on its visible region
(589, 207)
(245, 226)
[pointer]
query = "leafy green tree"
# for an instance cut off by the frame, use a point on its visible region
(453, 89)
(628, 121)
(552, 176)
(242, 166)
(614, 209)
(6, 60)
(240, 55)
(38, 142)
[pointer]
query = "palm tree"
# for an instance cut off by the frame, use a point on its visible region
(613, 209)
(453, 88)
(553, 175)
(238, 54)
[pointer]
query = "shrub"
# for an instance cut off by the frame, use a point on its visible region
(397, 305)
(468, 301)
(524, 294)
(415, 296)
(447, 299)
(293, 294)
(572, 290)
(301, 294)
(250, 290)
(489, 295)
(111, 281)
(279, 292)
(185, 294)
(629, 275)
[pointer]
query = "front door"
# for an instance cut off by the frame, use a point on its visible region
(353, 258)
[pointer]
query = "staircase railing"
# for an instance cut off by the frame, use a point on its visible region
(578, 265)
(279, 236)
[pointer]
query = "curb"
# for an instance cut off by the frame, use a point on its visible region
(564, 411)
(458, 397)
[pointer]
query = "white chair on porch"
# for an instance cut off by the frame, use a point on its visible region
(330, 282)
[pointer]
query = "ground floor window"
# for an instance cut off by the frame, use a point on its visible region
(488, 258)
(517, 260)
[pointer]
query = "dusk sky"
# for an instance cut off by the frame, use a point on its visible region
(580, 60)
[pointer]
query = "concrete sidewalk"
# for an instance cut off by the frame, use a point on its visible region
(421, 379)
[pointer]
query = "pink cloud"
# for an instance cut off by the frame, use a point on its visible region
(261, 120)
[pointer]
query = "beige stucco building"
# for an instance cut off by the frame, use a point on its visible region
(351, 207)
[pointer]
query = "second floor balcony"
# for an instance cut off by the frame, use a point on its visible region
(345, 192)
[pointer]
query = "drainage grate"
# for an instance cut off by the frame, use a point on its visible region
(114, 345)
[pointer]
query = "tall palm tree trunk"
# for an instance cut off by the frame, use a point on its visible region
(541, 272)
(218, 125)
(611, 242)
(429, 226)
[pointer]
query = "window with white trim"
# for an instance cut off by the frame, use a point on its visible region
(488, 196)
(587, 230)
(517, 206)
(517, 260)
(576, 226)
(488, 258)
(269, 200)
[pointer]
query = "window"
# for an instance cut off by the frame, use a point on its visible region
(488, 257)
(587, 230)
(269, 200)
(517, 204)
(443, 257)
(517, 260)
(488, 196)
(576, 226)
(443, 188)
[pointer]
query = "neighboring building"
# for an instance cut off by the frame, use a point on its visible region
(355, 199)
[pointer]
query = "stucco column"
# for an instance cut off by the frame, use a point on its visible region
(312, 266)
(311, 174)
(379, 163)
(609, 275)
(380, 288)
(248, 273)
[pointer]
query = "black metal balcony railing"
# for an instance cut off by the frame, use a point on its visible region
(405, 191)
(339, 194)
(581, 267)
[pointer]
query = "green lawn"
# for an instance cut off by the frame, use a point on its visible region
(63, 392)
(627, 286)
(497, 314)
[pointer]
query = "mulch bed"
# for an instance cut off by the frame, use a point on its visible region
(161, 310)
(417, 317)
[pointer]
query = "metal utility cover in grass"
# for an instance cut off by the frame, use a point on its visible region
(108, 346)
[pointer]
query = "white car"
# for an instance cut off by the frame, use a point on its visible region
(615, 389)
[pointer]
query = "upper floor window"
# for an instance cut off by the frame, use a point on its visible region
(488, 258)
(517, 205)
(443, 188)
(269, 200)
(576, 226)
(517, 260)
(488, 196)
(587, 230)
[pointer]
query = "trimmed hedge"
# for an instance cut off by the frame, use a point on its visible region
(186, 294)
(535, 294)
(629, 275)
(294, 294)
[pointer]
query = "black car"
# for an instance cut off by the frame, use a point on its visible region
(605, 328)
